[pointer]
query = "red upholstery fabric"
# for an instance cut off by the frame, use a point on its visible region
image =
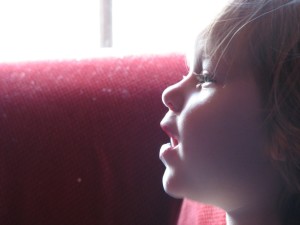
(79, 141)
(194, 213)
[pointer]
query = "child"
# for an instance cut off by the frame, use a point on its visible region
(234, 120)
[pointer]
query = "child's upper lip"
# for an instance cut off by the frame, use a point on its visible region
(168, 125)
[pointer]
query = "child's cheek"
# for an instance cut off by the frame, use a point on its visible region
(197, 124)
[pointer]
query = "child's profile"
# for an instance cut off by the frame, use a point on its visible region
(234, 119)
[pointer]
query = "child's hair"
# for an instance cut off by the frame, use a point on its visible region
(271, 39)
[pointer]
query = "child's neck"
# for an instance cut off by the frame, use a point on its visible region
(257, 215)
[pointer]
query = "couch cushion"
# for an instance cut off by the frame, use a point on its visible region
(194, 213)
(79, 141)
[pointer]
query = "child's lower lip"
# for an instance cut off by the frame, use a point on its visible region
(167, 151)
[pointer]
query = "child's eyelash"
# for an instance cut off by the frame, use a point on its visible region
(204, 78)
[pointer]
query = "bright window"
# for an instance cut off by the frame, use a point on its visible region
(72, 28)
(160, 25)
(48, 28)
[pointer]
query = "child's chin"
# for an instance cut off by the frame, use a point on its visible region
(172, 184)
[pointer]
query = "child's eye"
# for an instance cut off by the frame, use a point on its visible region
(204, 78)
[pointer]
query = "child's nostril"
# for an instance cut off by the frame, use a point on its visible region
(171, 106)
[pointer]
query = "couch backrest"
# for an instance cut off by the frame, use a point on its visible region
(79, 141)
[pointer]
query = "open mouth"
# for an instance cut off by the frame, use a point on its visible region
(170, 131)
(174, 142)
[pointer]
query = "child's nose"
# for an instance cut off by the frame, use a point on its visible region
(173, 97)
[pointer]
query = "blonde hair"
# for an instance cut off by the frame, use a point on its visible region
(272, 42)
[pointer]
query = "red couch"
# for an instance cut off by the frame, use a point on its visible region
(79, 143)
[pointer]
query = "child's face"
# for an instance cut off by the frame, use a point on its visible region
(217, 133)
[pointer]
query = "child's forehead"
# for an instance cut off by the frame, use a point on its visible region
(229, 39)
(210, 51)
